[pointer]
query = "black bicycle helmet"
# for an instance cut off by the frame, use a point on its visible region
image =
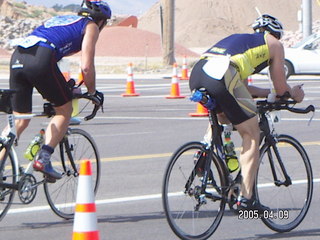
(270, 24)
(97, 10)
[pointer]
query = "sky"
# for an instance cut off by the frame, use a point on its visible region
(136, 7)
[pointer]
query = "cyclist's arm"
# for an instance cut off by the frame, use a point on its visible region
(258, 92)
(276, 68)
(277, 72)
(87, 57)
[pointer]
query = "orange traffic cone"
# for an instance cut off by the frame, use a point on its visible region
(175, 89)
(85, 219)
(130, 92)
(201, 111)
(184, 72)
(249, 80)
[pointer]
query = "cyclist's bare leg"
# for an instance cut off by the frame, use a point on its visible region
(58, 125)
(54, 133)
(249, 155)
(223, 118)
(21, 124)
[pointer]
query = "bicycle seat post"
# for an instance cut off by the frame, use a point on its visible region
(216, 130)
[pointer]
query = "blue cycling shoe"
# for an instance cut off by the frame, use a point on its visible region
(43, 164)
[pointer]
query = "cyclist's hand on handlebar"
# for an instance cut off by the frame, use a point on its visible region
(297, 93)
(97, 98)
(100, 98)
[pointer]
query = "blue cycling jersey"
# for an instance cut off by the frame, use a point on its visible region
(65, 33)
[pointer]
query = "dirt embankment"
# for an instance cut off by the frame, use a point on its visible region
(203, 22)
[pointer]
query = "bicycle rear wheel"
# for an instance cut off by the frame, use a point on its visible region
(61, 195)
(181, 194)
(8, 176)
(289, 201)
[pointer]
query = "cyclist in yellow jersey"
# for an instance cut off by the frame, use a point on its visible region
(223, 71)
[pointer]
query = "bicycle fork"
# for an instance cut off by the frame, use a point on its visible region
(272, 147)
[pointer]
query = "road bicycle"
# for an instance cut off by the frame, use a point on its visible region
(197, 184)
(76, 145)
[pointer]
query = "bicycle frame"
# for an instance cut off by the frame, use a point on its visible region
(269, 138)
(65, 142)
(8, 139)
(216, 129)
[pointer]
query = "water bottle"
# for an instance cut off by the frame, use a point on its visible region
(231, 156)
(199, 96)
(34, 146)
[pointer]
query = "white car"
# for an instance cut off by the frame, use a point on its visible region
(303, 58)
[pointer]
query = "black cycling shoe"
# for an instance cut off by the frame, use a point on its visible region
(251, 205)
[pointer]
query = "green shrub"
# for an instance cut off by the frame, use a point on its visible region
(36, 13)
(19, 5)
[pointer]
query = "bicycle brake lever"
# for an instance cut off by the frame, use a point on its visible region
(311, 118)
(93, 114)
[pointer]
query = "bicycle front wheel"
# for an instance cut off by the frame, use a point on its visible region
(190, 213)
(284, 183)
(76, 146)
(8, 175)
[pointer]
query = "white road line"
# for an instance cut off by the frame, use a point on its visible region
(189, 118)
(128, 199)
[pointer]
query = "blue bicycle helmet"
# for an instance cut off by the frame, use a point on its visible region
(96, 10)
(270, 24)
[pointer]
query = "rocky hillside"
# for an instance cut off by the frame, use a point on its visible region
(17, 19)
(12, 29)
(21, 10)
(198, 26)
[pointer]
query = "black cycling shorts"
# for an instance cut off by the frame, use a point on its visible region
(36, 67)
(231, 95)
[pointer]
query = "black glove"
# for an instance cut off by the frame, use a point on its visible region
(98, 99)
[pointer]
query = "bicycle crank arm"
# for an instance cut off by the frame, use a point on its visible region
(9, 186)
(213, 197)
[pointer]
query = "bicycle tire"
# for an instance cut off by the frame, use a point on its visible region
(288, 204)
(179, 206)
(9, 175)
(61, 195)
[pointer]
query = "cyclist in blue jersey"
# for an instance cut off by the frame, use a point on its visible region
(223, 71)
(34, 65)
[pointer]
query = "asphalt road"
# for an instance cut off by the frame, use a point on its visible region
(136, 137)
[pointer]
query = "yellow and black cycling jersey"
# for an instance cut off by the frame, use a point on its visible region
(249, 52)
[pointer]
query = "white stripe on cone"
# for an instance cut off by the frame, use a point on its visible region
(85, 183)
(174, 74)
(85, 222)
